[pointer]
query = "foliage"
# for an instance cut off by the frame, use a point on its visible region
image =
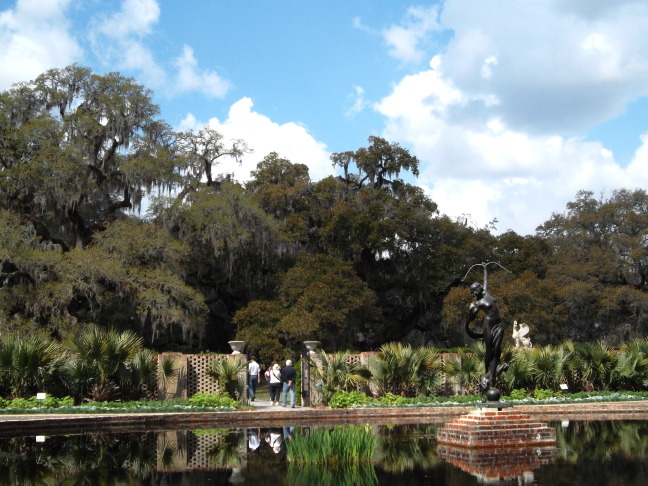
(466, 367)
(595, 364)
(49, 402)
(354, 261)
(348, 399)
(226, 373)
(632, 366)
(109, 364)
(334, 373)
(544, 394)
(405, 371)
(212, 400)
(518, 394)
(549, 366)
(333, 446)
(391, 399)
(319, 298)
(29, 364)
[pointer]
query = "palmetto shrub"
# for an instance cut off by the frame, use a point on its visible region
(109, 365)
(406, 371)
(466, 368)
(595, 364)
(632, 367)
(335, 372)
(549, 366)
(29, 364)
(226, 373)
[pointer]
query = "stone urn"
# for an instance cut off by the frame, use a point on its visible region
(237, 346)
(311, 346)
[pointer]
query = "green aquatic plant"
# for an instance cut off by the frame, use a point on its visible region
(333, 446)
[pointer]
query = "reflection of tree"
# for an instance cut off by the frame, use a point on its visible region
(405, 447)
(226, 453)
(95, 459)
(601, 441)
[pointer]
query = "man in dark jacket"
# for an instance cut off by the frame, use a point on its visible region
(288, 377)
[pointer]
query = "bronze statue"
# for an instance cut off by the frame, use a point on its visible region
(492, 334)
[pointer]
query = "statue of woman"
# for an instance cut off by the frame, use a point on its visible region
(492, 335)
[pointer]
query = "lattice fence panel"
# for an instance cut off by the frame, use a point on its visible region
(197, 379)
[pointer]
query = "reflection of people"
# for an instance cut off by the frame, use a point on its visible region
(288, 433)
(274, 381)
(492, 334)
(273, 439)
(254, 370)
(288, 377)
(253, 439)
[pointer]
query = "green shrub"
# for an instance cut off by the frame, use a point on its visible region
(212, 400)
(22, 403)
(542, 394)
(391, 399)
(519, 394)
(33, 402)
(348, 399)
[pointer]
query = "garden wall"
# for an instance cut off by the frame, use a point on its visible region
(191, 375)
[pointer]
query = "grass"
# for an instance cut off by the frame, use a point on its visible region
(333, 447)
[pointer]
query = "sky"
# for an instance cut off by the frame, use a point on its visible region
(511, 107)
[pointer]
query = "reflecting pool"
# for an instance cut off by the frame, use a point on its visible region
(587, 453)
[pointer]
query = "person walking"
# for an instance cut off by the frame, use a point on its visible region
(288, 377)
(274, 383)
(254, 372)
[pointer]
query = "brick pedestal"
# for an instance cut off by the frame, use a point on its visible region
(487, 428)
(497, 444)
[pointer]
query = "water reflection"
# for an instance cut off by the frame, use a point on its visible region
(588, 453)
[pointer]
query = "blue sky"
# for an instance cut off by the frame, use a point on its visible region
(511, 106)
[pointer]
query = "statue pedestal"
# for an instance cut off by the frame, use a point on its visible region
(486, 427)
(497, 443)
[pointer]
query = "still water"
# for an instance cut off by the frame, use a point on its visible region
(587, 453)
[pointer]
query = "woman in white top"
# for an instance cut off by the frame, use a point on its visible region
(274, 381)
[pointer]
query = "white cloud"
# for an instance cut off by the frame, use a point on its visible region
(498, 119)
(34, 37)
(488, 170)
(559, 67)
(189, 78)
(289, 140)
(405, 40)
(359, 102)
(136, 18)
(121, 41)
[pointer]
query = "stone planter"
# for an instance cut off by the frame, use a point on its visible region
(237, 346)
(311, 346)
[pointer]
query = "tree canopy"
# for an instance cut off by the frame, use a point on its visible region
(355, 260)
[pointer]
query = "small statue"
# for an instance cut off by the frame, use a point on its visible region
(492, 335)
(519, 335)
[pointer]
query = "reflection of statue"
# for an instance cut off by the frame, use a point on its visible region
(492, 334)
(519, 333)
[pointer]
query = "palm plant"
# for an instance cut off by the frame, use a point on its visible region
(518, 375)
(594, 363)
(337, 372)
(632, 366)
(548, 366)
(466, 368)
(104, 366)
(406, 371)
(227, 374)
(29, 364)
